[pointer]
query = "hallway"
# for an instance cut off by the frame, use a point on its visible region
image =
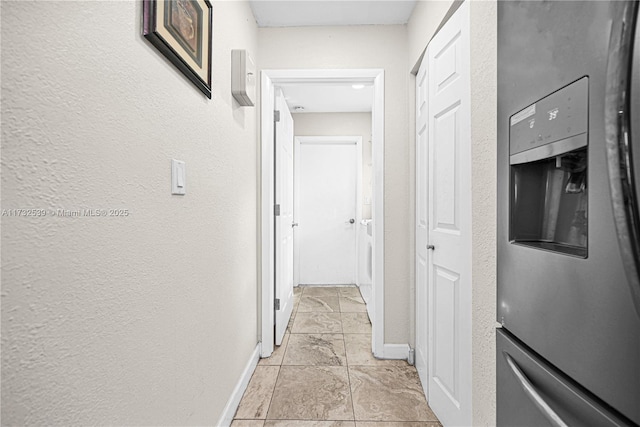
(124, 303)
(324, 374)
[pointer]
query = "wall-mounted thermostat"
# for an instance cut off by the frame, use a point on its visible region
(243, 78)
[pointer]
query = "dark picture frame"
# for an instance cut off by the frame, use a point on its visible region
(183, 31)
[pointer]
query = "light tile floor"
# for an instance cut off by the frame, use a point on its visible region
(324, 375)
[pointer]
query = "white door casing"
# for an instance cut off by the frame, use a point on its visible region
(448, 168)
(422, 232)
(328, 180)
(283, 218)
(267, 242)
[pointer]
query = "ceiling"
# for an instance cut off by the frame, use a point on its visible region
(302, 13)
(327, 98)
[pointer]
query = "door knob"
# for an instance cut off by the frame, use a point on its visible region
(352, 221)
(431, 247)
(294, 224)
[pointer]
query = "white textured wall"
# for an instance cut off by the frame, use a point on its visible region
(484, 63)
(342, 124)
(425, 20)
(366, 46)
(122, 321)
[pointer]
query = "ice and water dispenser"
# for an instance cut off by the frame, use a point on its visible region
(548, 161)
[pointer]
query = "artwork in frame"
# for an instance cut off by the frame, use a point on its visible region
(183, 31)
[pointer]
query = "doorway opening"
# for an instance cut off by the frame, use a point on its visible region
(271, 83)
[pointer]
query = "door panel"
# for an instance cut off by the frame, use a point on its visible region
(446, 186)
(445, 372)
(449, 231)
(445, 64)
(327, 193)
(284, 222)
(421, 318)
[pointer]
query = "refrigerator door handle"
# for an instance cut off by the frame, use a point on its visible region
(617, 134)
(533, 394)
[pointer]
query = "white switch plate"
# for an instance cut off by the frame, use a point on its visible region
(178, 177)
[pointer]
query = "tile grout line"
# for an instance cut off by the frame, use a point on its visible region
(284, 354)
(273, 392)
(286, 349)
(275, 384)
(346, 359)
(349, 373)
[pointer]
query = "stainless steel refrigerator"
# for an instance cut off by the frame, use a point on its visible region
(568, 351)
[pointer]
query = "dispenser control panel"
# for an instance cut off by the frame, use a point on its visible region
(561, 115)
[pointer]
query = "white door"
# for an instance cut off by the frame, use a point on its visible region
(327, 219)
(448, 166)
(422, 217)
(284, 218)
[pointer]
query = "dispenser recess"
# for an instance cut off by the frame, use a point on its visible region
(548, 159)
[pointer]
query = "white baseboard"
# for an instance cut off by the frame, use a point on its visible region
(234, 400)
(396, 351)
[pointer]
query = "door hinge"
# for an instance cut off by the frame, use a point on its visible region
(276, 116)
(276, 304)
(276, 210)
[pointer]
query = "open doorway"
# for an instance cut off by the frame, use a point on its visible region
(272, 82)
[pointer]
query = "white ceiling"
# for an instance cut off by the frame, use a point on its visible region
(302, 13)
(327, 98)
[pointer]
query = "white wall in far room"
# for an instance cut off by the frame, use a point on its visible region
(342, 124)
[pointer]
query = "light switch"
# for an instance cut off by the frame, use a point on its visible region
(178, 177)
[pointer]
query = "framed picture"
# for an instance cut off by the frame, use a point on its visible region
(182, 30)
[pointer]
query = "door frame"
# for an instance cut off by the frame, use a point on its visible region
(297, 141)
(268, 80)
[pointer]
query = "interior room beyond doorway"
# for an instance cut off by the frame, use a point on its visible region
(353, 133)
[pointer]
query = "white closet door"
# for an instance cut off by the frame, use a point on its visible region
(443, 222)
